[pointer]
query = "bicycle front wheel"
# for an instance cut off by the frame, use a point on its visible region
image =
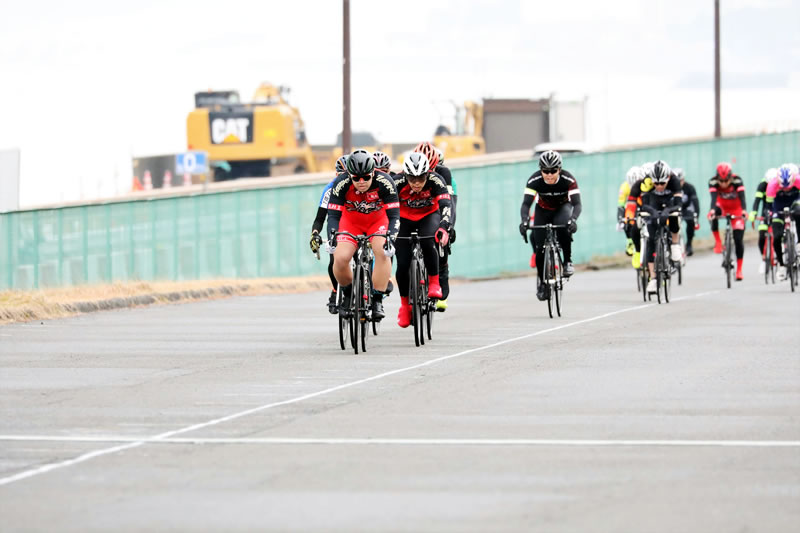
(344, 324)
(357, 291)
(547, 279)
(413, 298)
(727, 257)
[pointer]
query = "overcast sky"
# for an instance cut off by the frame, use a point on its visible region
(87, 84)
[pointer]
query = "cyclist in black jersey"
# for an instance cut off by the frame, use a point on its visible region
(690, 208)
(559, 203)
(761, 196)
(316, 228)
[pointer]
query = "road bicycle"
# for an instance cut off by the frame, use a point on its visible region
(355, 324)
(553, 268)
(791, 260)
(727, 249)
(663, 264)
(423, 308)
(768, 253)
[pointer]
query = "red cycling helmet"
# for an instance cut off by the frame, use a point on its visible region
(429, 151)
(724, 170)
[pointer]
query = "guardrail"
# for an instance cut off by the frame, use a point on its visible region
(260, 227)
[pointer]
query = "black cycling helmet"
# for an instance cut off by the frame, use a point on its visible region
(382, 160)
(550, 159)
(360, 163)
(661, 172)
(341, 165)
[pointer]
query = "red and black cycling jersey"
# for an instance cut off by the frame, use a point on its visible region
(728, 194)
(381, 196)
(432, 197)
(551, 197)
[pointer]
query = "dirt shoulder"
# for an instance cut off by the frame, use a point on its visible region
(24, 306)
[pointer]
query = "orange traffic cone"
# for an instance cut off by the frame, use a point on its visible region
(148, 180)
(137, 185)
(167, 180)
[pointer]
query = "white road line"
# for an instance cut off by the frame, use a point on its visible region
(162, 436)
(419, 442)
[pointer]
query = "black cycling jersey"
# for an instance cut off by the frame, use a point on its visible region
(761, 194)
(551, 197)
(689, 200)
(645, 189)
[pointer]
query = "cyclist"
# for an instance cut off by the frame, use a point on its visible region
(436, 162)
(760, 196)
(425, 207)
(690, 208)
(659, 190)
(363, 201)
(559, 203)
(316, 227)
(382, 162)
(783, 191)
(633, 175)
(727, 197)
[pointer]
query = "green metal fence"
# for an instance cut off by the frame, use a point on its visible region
(490, 198)
(264, 232)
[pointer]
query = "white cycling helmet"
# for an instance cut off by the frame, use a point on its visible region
(634, 174)
(647, 169)
(416, 164)
(771, 174)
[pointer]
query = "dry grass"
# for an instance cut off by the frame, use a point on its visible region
(23, 306)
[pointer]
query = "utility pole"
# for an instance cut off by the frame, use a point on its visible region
(346, 131)
(717, 116)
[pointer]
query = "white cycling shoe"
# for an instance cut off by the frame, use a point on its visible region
(651, 286)
(676, 252)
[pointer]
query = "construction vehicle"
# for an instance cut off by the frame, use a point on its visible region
(263, 138)
(468, 139)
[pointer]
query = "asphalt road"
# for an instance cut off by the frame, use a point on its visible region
(244, 414)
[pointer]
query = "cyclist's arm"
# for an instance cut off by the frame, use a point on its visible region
(712, 190)
(740, 190)
(322, 213)
(760, 194)
(336, 203)
(442, 197)
(527, 200)
(575, 200)
(633, 197)
(388, 195)
(693, 197)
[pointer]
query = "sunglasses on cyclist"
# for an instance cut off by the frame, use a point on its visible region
(363, 177)
(549, 170)
(417, 179)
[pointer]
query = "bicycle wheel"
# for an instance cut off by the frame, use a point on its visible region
(548, 276)
(559, 282)
(643, 274)
(679, 271)
(355, 306)
(726, 257)
(344, 324)
(766, 258)
(365, 304)
(791, 259)
(422, 301)
(638, 281)
(413, 298)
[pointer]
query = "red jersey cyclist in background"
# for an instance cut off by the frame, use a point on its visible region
(425, 207)
(727, 198)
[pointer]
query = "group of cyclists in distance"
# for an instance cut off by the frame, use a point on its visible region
(366, 197)
(655, 187)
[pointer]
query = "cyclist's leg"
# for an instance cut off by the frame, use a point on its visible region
(403, 255)
(777, 237)
(541, 216)
(689, 220)
(674, 224)
(382, 270)
(561, 218)
(715, 230)
(427, 228)
(650, 252)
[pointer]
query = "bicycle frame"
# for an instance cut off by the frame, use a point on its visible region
(552, 276)
(422, 308)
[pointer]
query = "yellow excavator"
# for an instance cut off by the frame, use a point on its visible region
(265, 137)
(468, 139)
